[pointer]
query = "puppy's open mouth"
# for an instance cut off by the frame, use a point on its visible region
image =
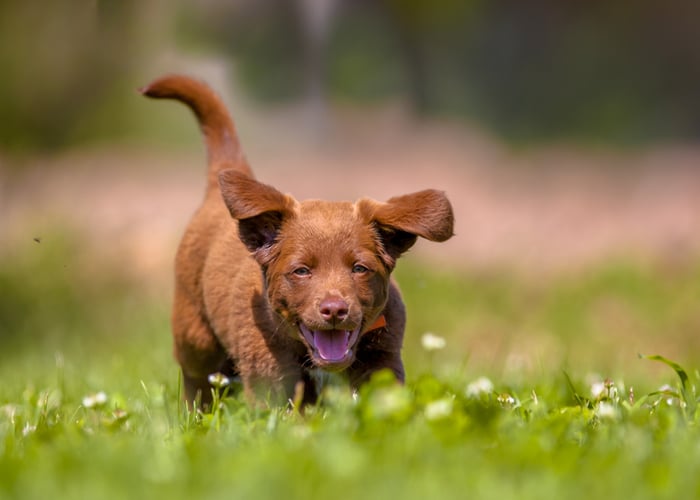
(331, 346)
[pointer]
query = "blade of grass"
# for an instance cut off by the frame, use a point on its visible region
(687, 391)
(581, 401)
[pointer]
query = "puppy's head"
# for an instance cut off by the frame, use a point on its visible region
(327, 264)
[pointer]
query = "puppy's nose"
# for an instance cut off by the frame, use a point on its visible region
(334, 308)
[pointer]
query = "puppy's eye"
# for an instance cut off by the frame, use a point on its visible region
(302, 271)
(359, 269)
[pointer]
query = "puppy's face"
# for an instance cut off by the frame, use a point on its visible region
(327, 279)
(327, 264)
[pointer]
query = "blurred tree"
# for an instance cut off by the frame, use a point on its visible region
(59, 61)
(264, 37)
(612, 71)
(624, 70)
(420, 28)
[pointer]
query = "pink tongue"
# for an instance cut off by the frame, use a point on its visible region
(331, 344)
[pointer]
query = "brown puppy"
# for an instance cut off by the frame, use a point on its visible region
(270, 288)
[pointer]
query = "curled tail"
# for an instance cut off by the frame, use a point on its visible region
(223, 148)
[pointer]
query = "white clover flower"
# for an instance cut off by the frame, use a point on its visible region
(506, 400)
(95, 400)
(219, 380)
(605, 389)
(432, 342)
(606, 410)
(437, 410)
(597, 389)
(480, 386)
(670, 393)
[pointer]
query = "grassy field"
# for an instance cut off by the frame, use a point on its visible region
(539, 392)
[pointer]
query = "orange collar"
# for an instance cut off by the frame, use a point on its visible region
(378, 324)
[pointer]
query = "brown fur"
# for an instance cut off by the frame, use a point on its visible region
(254, 264)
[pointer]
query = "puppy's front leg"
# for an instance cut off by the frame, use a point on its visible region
(381, 349)
(196, 349)
(290, 385)
(370, 361)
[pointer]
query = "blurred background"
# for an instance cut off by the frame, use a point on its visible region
(567, 135)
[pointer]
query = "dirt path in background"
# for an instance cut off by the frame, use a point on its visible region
(539, 210)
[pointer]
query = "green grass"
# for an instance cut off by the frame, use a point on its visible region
(547, 426)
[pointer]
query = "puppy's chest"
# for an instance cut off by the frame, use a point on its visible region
(323, 379)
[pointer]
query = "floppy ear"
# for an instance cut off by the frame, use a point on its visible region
(260, 210)
(400, 220)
